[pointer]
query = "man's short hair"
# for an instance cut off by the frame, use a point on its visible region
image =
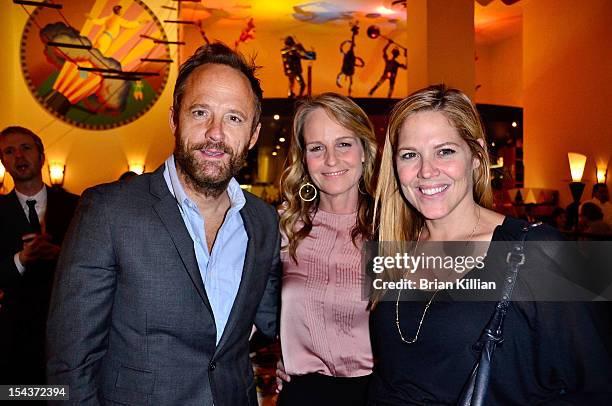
(218, 53)
(598, 186)
(22, 130)
(591, 212)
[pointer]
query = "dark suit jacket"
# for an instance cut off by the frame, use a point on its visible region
(130, 322)
(26, 297)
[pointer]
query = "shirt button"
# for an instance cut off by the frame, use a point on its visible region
(212, 366)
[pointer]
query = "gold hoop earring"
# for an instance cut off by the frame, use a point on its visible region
(359, 188)
(308, 185)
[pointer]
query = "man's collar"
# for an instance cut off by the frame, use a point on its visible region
(40, 196)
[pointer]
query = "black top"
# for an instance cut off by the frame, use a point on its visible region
(552, 351)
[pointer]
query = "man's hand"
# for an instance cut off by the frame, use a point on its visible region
(38, 247)
(281, 375)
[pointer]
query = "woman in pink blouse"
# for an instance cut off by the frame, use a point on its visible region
(326, 217)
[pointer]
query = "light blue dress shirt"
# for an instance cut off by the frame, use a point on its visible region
(221, 269)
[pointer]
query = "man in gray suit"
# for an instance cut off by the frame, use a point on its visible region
(161, 279)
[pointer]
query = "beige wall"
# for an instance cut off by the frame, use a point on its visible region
(499, 72)
(91, 157)
(441, 44)
(566, 92)
(567, 75)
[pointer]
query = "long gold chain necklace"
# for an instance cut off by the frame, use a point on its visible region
(399, 292)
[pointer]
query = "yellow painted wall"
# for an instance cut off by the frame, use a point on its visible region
(441, 43)
(91, 157)
(450, 40)
(499, 72)
(567, 74)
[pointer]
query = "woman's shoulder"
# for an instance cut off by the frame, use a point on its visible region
(513, 229)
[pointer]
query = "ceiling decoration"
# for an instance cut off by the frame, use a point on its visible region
(496, 21)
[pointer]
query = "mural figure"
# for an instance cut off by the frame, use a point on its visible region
(349, 60)
(98, 69)
(137, 90)
(292, 53)
(391, 67)
(112, 24)
(247, 34)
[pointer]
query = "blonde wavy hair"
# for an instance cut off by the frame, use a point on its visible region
(395, 218)
(296, 216)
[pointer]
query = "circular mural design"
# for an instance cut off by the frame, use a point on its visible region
(95, 64)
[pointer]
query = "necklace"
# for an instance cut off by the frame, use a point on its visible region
(399, 293)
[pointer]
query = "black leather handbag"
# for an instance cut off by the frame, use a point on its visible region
(475, 390)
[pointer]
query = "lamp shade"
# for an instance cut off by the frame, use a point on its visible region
(56, 174)
(136, 167)
(576, 163)
(602, 174)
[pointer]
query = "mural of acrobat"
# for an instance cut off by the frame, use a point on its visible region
(292, 53)
(349, 60)
(391, 63)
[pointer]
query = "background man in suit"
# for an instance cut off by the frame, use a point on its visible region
(162, 278)
(33, 221)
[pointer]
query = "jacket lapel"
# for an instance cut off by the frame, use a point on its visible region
(53, 215)
(167, 210)
(21, 220)
(247, 274)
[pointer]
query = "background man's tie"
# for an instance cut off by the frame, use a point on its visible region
(33, 216)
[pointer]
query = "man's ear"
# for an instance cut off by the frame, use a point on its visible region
(171, 120)
(254, 136)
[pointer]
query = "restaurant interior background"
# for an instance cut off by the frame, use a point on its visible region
(539, 70)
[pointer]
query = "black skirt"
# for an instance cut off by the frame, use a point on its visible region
(323, 390)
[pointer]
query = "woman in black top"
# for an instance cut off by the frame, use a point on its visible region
(434, 186)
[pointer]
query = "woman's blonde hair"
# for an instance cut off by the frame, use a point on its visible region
(395, 218)
(296, 217)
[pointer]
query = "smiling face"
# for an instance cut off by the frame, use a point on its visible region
(21, 157)
(334, 157)
(213, 131)
(435, 165)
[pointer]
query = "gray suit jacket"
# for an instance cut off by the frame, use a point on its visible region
(129, 320)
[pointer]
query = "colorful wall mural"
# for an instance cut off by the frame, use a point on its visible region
(308, 46)
(95, 64)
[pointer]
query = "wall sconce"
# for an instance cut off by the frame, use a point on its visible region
(136, 167)
(56, 174)
(601, 173)
(576, 163)
(2, 173)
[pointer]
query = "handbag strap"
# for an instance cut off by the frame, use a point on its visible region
(475, 390)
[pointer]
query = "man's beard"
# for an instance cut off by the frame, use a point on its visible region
(198, 174)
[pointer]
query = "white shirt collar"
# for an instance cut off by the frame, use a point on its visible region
(40, 197)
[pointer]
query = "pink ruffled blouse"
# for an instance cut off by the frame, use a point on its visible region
(324, 321)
